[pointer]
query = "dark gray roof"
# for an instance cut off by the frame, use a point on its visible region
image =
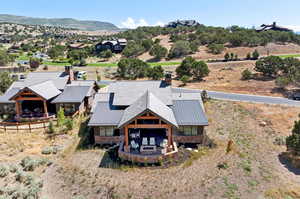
(105, 115)
(100, 97)
(127, 92)
(47, 90)
(73, 94)
(59, 79)
(148, 101)
(189, 112)
(8, 94)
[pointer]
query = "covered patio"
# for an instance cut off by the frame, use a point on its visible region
(33, 103)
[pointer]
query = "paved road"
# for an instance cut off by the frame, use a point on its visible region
(253, 98)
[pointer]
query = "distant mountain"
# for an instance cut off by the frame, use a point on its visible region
(61, 22)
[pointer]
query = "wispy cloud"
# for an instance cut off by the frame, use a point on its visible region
(131, 23)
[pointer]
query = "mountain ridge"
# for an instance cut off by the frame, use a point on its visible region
(88, 25)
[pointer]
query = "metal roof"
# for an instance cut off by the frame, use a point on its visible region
(105, 115)
(47, 90)
(8, 94)
(127, 92)
(148, 102)
(100, 97)
(189, 112)
(73, 94)
(59, 79)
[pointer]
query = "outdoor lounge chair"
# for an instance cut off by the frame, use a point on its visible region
(145, 141)
(152, 141)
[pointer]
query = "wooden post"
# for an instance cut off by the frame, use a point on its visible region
(126, 147)
(169, 129)
(17, 127)
(45, 108)
(18, 111)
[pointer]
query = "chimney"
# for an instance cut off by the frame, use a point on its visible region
(168, 79)
(69, 71)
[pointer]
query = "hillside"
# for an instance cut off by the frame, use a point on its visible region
(62, 22)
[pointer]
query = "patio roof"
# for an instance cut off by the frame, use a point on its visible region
(150, 102)
(46, 90)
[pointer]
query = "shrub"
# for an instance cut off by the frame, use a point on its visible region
(200, 70)
(133, 49)
(215, 48)
(269, 66)
(13, 168)
(255, 55)
(293, 141)
(61, 117)
(282, 82)
(180, 49)
(3, 171)
(51, 129)
(246, 74)
(29, 164)
(184, 79)
(69, 124)
(158, 51)
(106, 54)
(185, 67)
(155, 73)
(47, 150)
(131, 68)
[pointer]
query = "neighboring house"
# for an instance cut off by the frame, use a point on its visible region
(77, 96)
(273, 26)
(179, 23)
(115, 45)
(33, 98)
(147, 118)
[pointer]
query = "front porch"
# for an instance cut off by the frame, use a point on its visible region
(147, 139)
(31, 107)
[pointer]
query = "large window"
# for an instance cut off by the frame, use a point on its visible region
(107, 131)
(69, 108)
(188, 130)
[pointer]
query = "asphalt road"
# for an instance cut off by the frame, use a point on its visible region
(253, 98)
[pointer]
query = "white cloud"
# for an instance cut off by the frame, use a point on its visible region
(293, 27)
(131, 23)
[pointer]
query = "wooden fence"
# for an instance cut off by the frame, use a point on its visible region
(21, 126)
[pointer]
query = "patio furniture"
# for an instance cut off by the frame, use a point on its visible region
(152, 141)
(134, 145)
(145, 141)
(164, 143)
(148, 149)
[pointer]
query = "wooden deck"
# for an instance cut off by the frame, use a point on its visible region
(145, 158)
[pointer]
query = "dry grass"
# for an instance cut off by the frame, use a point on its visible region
(289, 192)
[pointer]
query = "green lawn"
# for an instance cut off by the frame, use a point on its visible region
(23, 57)
(112, 64)
(288, 56)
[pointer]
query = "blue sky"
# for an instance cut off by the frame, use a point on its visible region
(131, 13)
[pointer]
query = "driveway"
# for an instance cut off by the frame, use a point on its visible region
(252, 98)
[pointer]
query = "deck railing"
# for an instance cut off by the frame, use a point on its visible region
(19, 126)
